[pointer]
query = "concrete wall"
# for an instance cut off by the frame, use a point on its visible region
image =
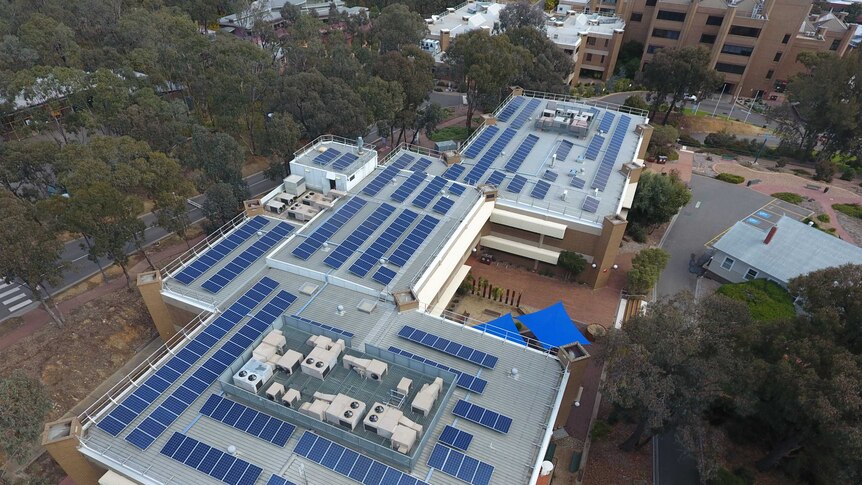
(736, 273)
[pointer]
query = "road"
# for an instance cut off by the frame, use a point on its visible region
(79, 267)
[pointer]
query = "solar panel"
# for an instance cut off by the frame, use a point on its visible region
(590, 204)
(525, 114)
(484, 163)
(383, 244)
(383, 178)
(210, 461)
(421, 165)
(594, 147)
(324, 326)
(384, 275)
(344, 161)
(246, 258)
(606, 166)
(478, 143)
(349, 463)
(516, 184)
(464, 380)
(429, 192)
(161, 417)
(496, 178)
(362, 233)
(521, 153)
(408, 186)
(510, 109)
(456, 189)
(449, 347)
(550, 175)
(453, 172)
(578, 183)
(408, 246)
(443, 205)
(258, 424)
(540, 190)
(564, 149)
(215, 254)
(482, 416)
(277, 480)
(607, 121)
(456, 438)
(320, 235)
(326, 156)
(403, 161)
(457, 464)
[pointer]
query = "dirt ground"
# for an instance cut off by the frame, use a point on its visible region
(607, 465)
(708, 124)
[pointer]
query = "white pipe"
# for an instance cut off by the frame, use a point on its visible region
(546, 439)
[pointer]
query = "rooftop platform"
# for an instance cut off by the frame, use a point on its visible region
(334, 154)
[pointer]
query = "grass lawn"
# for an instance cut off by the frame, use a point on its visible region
(852, 210)
(457, 133)
(788, 197)
(766, 300)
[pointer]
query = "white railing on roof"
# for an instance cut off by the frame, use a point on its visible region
(412, 148)
(587, 101)
(203, 245)
(329, 138)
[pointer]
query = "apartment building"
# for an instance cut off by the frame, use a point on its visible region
(753, 43)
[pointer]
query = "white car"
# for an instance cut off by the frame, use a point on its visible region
(690, 97)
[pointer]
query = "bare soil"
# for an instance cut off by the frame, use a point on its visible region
(708, 124)
(607, 465)
(254, 165)
(853, 225)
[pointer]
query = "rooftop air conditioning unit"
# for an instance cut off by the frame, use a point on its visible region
(465, 18)
(253, 375)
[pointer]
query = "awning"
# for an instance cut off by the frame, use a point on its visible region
(553, 327)
(503, 327)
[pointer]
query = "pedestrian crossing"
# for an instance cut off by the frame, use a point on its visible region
(12, 298)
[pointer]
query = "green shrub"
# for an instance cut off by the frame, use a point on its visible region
(852, 210)
(801, 173)
(688, 140)
(731, 178)
(600, 430)
(725, 477)
(823, 217)
(457, 133)
(848, 174)
(637, 233)
(646, 268)
(766, 300)
(788, 197)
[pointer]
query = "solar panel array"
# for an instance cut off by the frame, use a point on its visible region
(595, 145)
(158, 382)
(375, 186)
(540, 190)
(488, 158)
(456, 189)
(402, 161)
(607, 121)
(443, 205)
(606, 167)
(408, 186)
(577, 182)
(383, 275)
(211, 461)
(591, 204)
(457, 464)
(246, 419)
(453, 172)
(383, 243)
(349, 463)
(525, 114)
(510, 108)
(485, 417)
(456, 438)
(150, 428)
(480, 141)
(362, 233)
(429, 192)
(449, 347)
(417, 236)
(325, 326)
(516, 184)
(277, 480)
(564, 149)
(320, 235)
(421, 165)
(550, 175)
(325, 157)
(246, 258)
(496, 178)
(215, 254)
(345, 161)
(464, 380)
(521, 153)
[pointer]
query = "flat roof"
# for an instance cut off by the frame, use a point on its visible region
(334, 155)
(567, 30)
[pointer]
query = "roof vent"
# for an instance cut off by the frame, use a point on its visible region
(308, 288)
(366, 306)
(770, 234)
(514, 374)
(231, 450)
(359, 145)
(339, 309)
(326, 246)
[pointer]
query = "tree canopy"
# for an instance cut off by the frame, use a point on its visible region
(657, 199)
(25, 404)
(674, 72)
(522, 14)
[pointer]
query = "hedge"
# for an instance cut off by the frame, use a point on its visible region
(852, 210)
(788, 197)
(731, 178)
(766, 300)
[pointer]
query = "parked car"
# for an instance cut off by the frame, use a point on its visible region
(690, 97)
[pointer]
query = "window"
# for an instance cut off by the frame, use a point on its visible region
(636, 17)
(589, 58)
(672, 16)
(591, 41)
(777, 57)
(786, 39)
(707, 39)
(729, 68)
(751, 274)
(769, 74)
(835, 44)
(651, 49)
(727, 264)
(650, 3)
(603, 59)
(714, 20)
(737, 50)
(665, 34)
(745, 31)
(606, 42)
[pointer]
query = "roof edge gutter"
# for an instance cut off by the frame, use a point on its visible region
(546, 438)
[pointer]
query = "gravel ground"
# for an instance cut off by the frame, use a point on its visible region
(852, 225)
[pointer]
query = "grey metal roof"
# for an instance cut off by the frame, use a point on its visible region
(795, 249)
